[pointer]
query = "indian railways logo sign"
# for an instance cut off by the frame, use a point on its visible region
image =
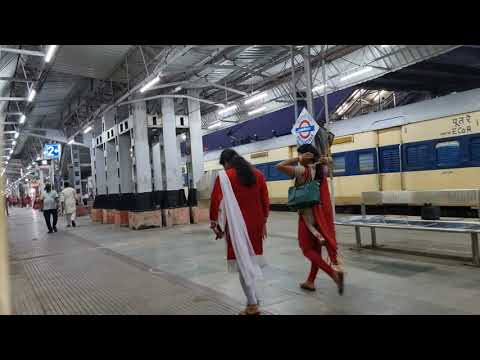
(305, 128)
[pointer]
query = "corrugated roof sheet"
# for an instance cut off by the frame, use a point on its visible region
(94, 61)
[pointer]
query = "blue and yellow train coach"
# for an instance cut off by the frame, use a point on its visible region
(429, 145)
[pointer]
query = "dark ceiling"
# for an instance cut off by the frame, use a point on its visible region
(457, 70)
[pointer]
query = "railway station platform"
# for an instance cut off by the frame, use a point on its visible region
(103, 269)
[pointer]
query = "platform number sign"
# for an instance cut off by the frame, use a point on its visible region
(52, 151)
(305, 128)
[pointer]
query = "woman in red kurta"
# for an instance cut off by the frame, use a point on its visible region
(315, 225)
(250, 191)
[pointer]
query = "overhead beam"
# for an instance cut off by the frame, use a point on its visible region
(8, 98)
(13, 79)
(22, 51)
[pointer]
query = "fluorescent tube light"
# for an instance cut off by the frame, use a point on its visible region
(50, 52)
(356, 73)
(31, 95)
(319, 87)
(227, 109)
(255, 98)
(150, 84)
(22, 119)
(215, 125)
(70, 142)
(256, 111)
(87, 130)
(17, 134)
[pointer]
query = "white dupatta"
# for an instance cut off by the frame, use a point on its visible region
(230, 212)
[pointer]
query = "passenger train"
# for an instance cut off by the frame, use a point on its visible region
(429, 145)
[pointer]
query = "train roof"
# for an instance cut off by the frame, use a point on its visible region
(456, 103)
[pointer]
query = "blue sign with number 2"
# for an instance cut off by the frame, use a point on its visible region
(52, 151)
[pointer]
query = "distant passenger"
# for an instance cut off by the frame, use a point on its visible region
(315, 225)
(239, 209)
(50, 206)
(68, 198)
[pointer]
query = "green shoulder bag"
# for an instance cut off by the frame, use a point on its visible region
(304, 196)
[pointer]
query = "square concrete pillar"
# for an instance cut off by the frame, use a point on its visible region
(120, 217)
(144, 219)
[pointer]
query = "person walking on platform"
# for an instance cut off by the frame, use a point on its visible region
(315, 224)
(50, 205)
(68, 199)
(239, 210)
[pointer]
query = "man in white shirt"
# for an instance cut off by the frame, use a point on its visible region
(68, 198)
(50, 203)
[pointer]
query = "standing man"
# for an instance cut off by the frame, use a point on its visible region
(68, 198)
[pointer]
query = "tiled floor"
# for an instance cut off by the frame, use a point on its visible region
(182, 270)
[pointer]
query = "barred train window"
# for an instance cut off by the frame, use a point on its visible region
(417, 156)
(338, 164)
(366, 162)
(448, 153)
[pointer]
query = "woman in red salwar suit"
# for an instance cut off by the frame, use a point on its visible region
(251, 193)
(315, 225)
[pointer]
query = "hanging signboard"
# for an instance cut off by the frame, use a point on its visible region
(305, 128)
(52, 151)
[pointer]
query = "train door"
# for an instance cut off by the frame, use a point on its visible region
(390, 177)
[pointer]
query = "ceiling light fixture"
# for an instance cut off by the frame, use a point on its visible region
(22, 119)
(215, 125)
(255, 98)
(319, 87)
(31, 95)
(356, 73)
(256, 111)
(71, 142)
(17, 134)
(50, 52)
(227, 109)
(177, 89)
(150, 84)
(44, 162)
(87, 130)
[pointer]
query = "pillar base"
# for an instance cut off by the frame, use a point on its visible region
(144, 219)
(96, 215)
(83, 210)
(176, 216)
(199, 214)
(120, 217)
(107, 216)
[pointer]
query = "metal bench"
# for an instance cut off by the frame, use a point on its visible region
(452, 197)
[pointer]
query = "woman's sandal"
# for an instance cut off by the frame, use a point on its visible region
(306, 287)
(251, 310)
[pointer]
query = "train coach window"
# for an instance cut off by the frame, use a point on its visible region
(475, 149)
(366, 162)
(338, 165)
(417, 156)
(447, 153)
